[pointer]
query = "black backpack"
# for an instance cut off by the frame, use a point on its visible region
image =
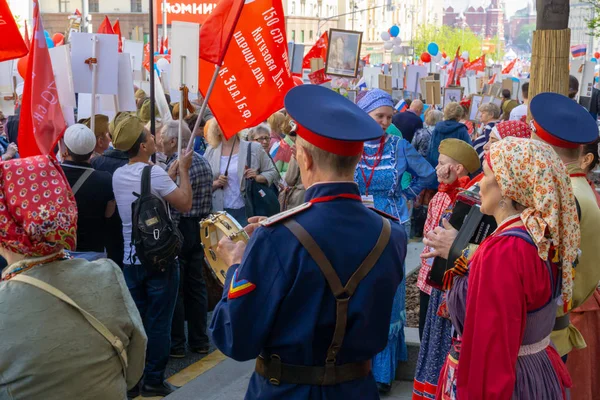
(156, 239)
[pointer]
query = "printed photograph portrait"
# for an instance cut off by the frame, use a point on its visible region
(452, 94)
(476, 101)
(343, 53)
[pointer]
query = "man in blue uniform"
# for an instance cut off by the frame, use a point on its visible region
(311, 294)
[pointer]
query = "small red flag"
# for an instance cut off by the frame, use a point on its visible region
(491, 81)
(27, 41)
(509, 67)
(117, 30)
(106, 27)
(319, 50)
(217, 30)
(146, 60)
(11, 45)
(42, 122)
(452, 73)
(166, 45)
(476, 65)
(367, 58)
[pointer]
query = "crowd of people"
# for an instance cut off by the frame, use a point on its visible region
(520, 309)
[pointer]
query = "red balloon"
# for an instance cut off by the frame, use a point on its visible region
(298, 81)
(597, 55)
(22, 65)
(58, 39)
(426, 57)
(443, 54)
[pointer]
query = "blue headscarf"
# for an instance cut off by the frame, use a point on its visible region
(373, 99)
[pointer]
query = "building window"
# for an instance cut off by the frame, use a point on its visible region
(293, 8)
(93, 6)
(302, 36)
(136, 5)
(320, 8)
(310, 35)
(63, 5)
(293, 36)
(302, 7)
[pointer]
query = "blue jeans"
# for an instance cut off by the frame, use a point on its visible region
(155, 295)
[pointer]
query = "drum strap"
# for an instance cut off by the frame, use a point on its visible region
(333, 374)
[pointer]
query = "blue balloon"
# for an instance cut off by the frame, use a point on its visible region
(433, 49)
(394, 31)
(594, 60)
(46, 34)
(49, 43)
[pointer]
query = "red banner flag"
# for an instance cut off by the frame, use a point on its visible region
(510, 66)
(11, 45)
(476, 65)
(492, 80)
(106, 27)
(42, 122)
(217, 31)
(117, 30)
(452, 73)
(255, 74)
(319, 50)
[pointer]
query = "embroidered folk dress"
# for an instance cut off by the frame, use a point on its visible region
(503, 310)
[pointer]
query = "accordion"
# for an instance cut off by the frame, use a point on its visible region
(473, 227)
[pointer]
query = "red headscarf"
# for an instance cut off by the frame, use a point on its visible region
(511, 128)
(38, 212)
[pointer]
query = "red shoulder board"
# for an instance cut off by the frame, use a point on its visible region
(386, 215)
(282, 216)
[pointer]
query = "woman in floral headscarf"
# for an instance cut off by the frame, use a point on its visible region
(503, 302)
(49, 349)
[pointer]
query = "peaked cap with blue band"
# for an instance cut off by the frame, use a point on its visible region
(561, 122)
(330, 121)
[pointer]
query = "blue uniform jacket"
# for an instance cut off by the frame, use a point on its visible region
(291, 310)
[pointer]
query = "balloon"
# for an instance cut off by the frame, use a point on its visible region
(385, 36)
(465, 55)
(594, 60)
(597, 55)
(397, 50)
(22, 66)
(46, 34)
(298, 81)
(49, 43)
(426, 57)
(397, 41)
(394, 31)
(433, 49)
(58, 39)
(162, 64)
(388, 45)
(437, 57)
(444, 54)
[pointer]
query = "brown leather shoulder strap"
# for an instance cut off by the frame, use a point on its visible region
(317, 254)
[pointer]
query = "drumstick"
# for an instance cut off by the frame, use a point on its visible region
(230, 154)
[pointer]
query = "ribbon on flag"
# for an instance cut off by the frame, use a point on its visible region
(11, 45)
(255, 70)
(42, 122)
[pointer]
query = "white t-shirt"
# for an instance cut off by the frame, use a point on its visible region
(128, 179)
(518, 112)
(233, 195)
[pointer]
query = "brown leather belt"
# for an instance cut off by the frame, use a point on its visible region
(561, 323)
(277, 372)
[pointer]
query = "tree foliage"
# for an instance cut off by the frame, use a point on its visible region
(524, 34)
(594, 23)
(448, 39)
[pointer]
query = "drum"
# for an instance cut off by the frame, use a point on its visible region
(213, 229)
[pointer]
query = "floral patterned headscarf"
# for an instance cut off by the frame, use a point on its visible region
(38, 212)
(531, 173)
(511, 128)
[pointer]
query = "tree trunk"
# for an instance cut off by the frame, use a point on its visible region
(550, 51)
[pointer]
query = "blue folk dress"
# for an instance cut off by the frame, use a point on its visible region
(397, 157)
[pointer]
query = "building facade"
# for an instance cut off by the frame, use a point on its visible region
(486, 22)
(579, 14)
(522, 17)
(306, 20)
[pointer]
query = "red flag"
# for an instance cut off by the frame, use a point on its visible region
(509, 67)
(217, 30)
(319, 50)
(106, 27)
(367, 58)
(27, 41)
(491, 81)
(453, 71)
(166, 45)
(476, 65)
(255, 73)
(42, 122)
(146, 60)
(11, 45)
(117, 30)
(161, 49)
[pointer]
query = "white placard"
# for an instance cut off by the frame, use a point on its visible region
(397, 75)
(470, 83)
(6, 81)
(145, 86)
(584, 72)
(63, 76)
(136, 52)
(7, 107)
(105, 104)
(414, 73)
(161, 100)
(185, 41)
(106, 55)
(69, 114)
(126, 97)
(371, 75)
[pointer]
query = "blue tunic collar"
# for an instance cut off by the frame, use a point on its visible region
(330, 189)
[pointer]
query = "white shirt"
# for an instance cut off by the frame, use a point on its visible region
(233, 195)
(518, 112)
(128, 179)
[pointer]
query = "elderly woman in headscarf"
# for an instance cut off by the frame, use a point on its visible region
(69, 327)
(379, 175)
(503, 302)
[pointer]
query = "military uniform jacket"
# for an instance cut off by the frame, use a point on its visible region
(277, 300)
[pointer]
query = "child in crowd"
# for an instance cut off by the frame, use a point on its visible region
(457, 160)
